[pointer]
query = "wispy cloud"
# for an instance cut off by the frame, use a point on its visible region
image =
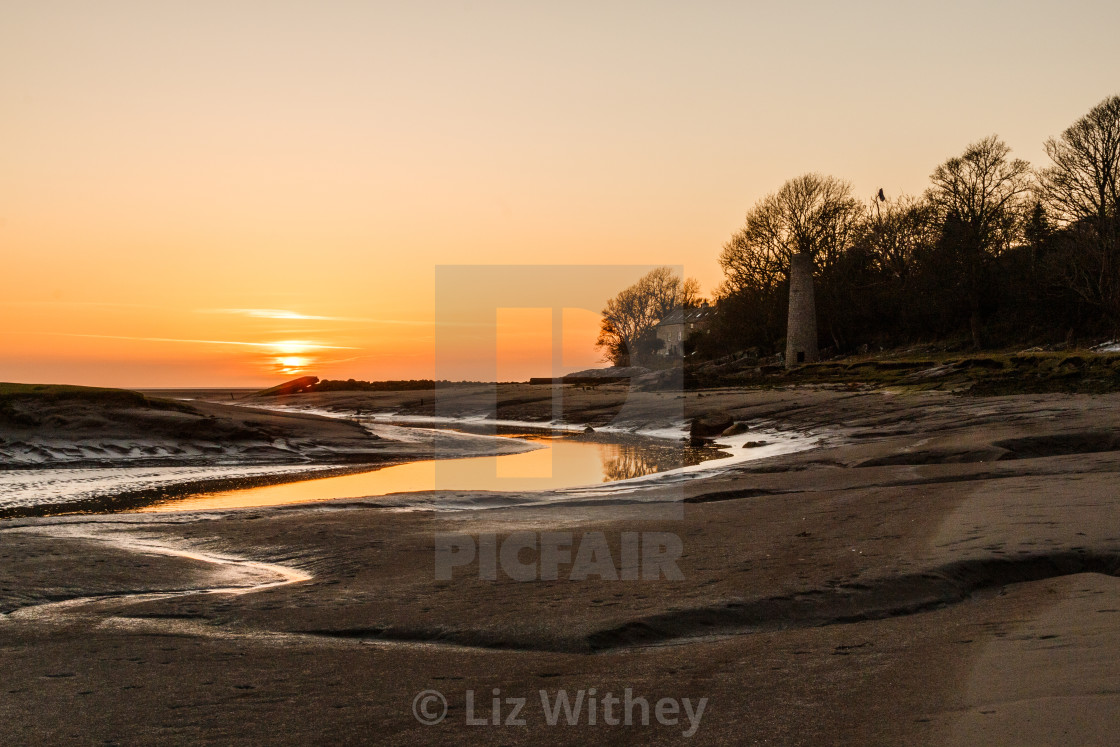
(82, 304)
(271, 314)
(274, 345)
(287, 314)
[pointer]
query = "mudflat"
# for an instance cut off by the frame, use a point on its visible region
(938, 569)
(117, 449)
(43, 426)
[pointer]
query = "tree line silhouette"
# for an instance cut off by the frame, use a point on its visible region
(993, 253)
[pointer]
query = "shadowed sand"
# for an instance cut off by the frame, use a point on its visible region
(939, 570)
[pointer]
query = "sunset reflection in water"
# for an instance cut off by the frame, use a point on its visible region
(559, 463)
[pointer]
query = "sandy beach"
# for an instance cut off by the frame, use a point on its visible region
(939, 570)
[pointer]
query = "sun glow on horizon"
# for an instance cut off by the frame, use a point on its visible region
(193, 197)
(293, 364)
(292, 347)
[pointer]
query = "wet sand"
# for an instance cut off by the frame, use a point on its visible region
(101, 450)
(940, 570)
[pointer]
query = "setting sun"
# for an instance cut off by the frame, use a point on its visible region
(293, 364)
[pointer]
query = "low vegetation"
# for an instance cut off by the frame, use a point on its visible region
(978, 374)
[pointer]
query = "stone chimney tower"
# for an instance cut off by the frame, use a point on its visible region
(801, 332)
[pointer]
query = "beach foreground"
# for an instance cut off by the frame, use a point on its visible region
(940, 570)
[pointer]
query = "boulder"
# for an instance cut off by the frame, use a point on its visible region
(613, 372)
(709, 426)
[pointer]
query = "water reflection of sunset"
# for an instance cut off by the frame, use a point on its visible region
(560, 463)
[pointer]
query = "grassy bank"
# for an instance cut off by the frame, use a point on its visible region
(979, 374)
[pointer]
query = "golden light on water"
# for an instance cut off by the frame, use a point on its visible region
(560, 464)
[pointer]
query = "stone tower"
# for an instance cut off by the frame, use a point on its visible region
(801, 332)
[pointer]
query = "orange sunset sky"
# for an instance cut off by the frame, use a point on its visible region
(230, 193)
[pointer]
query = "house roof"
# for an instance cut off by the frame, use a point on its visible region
(686, 316)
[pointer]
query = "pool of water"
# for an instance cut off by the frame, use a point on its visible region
(557, 462)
